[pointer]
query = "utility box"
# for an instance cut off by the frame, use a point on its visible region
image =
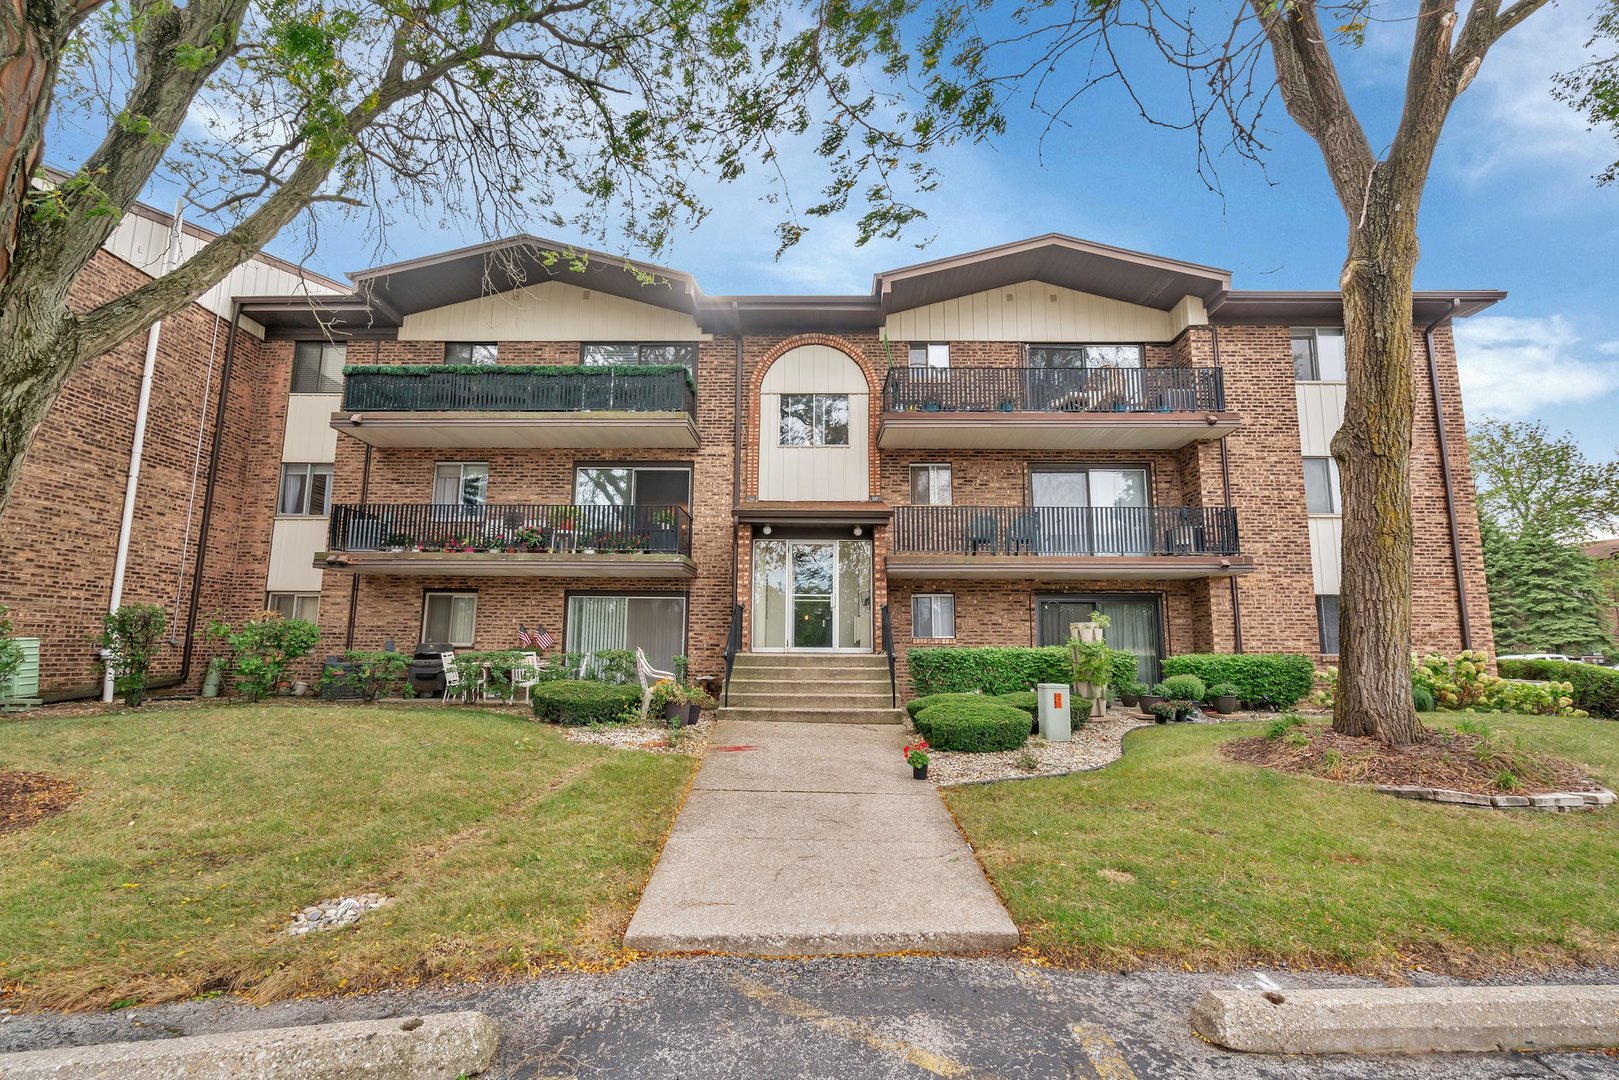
(1056, 723)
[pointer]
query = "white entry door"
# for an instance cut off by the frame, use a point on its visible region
(812, 596)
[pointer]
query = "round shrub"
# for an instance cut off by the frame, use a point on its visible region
(977, 726)
(583, 701)
(1422, 699)
(916, 705)
(1182, 688)
(1027, 700)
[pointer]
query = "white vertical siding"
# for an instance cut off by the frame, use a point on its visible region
(293, 543)
(553, 311)
(1327, 552)
(1321, 413)
(814, 473)
(1035, 311)
(309, 435)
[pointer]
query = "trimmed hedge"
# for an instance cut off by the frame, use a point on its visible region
(583, 701)
(1284, 678)
(1079, 709)
(916, 705)
(1005, 670)
(1596, 689)
(975, 726)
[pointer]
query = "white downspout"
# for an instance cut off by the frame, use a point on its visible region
(137, 446)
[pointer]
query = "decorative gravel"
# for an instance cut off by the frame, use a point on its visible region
(1096, 743)
(653, 738)
(336, 913)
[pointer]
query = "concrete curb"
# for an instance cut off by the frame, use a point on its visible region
(444, 1045)
(1410, 1020)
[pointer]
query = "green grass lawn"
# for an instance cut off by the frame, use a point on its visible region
(1233, 864)
(201, 830)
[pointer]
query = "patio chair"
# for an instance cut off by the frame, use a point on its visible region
(526, 675)
(650, 677)
(984, 532)
(453, 686)
(1024, 536)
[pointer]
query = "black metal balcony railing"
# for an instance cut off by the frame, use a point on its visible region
(1065, 530)
(505, 391)
(511, 527)
(1084, 390)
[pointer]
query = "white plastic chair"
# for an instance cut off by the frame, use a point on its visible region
(526, 675)
(453, 686)
(649, 676)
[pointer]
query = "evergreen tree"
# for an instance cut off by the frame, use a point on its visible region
(1544, 595)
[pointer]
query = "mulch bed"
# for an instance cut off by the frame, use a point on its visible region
(27, 798)
(1440, 759)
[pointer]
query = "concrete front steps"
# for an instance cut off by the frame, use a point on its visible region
(811, 688)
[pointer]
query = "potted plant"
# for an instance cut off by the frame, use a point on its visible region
(1163, 711)
(1151, 697)
(1130, 693)
(1224, 697)
(1185, 691)
(916, 756)
(397, 542)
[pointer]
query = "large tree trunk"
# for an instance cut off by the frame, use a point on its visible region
(29, 57)
(1373, 450)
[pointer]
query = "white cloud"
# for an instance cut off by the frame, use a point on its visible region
(1514, 367)
(1511, 105)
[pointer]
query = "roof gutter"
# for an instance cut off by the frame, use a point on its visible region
(1444, 468)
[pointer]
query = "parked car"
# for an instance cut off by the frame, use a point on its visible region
(1538, 656)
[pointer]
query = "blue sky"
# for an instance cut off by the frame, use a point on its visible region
(1511, 204)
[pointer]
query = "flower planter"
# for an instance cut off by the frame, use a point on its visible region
(1225, 704)
(1129, 701)
(919, 772)
(1147, 701)
(680, 715)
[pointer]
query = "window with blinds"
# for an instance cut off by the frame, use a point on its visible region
(317, 367)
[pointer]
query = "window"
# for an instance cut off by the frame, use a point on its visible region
(1318, 354)
(448, 617)
(628, 485)
(306, 491)
(933, 616)
(1326, 617)
(632, 352)
(931, 356)
(1084, 356)
(294, 605)
(1321, 486)
(654, 624)
(460, 483)
(470, 352)
(317, 368)
(815, 420)
(930, 485)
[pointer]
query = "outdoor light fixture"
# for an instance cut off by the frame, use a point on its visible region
(858, 530)
(765, 530)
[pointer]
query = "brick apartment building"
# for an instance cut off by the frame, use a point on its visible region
(980, 450)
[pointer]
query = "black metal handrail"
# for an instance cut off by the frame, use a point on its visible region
(510, 527)
(507, 391)
(1084, 390)
(733, 645)
(888, 649)
(1065, 530)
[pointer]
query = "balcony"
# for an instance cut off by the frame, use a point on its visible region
(519, 406)
(1052, 408)
(510, 540)
(1066, 543)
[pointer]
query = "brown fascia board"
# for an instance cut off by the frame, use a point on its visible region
(788, 314)
(1281, 307)
(312, 317)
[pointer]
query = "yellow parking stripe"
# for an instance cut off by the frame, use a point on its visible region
(922, 1058)
(1103, 1053)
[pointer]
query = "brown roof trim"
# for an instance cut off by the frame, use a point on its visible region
(882, 281)
(839, 513)
(1301, 306)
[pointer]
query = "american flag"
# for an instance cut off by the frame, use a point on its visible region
(540, 639)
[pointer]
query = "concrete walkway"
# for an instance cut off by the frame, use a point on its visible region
(802, 839)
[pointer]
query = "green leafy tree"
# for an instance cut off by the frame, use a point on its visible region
(1593, 87)
(1530, 481)
(583, 114)
(263, 649)
(1544, 594)
(1232, 61)
(130, 640)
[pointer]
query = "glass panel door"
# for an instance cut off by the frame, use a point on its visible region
(1134, 627)
(1059, 518)
(1119, 517)
(813, 568)
(769, 595)
(854, 595)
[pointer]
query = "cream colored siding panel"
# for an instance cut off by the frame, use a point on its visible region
(293, 543)
(1031, 315)
(814, 473)
(553, 311)
(1327, 553)
(1321, 414)
(310, 435)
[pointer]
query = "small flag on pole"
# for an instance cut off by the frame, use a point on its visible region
(539, 639)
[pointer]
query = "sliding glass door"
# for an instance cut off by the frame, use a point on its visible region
(654, 624)
(1134, 625)
(812, 595)
(1089, 511)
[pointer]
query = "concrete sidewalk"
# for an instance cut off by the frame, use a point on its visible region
(802, 839)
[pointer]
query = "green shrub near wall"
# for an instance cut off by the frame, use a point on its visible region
(583, 701)
(916, 705)
(1079, 709)
(982, 726)
(1284, 678)
(1001, 670)
(1596, 689)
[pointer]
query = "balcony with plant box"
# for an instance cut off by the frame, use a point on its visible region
(514, 406)
(565, 540)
